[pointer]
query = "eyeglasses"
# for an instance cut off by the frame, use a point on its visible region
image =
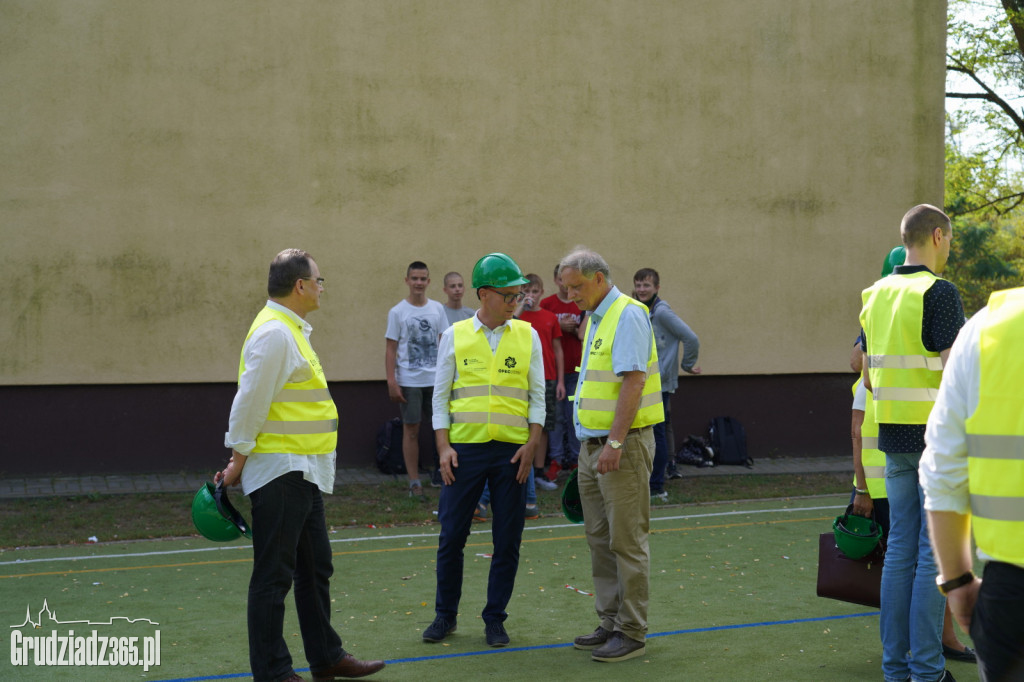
(509, 298)
(319, 280)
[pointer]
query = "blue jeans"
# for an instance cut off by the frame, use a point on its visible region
(480, 463)
(289, 542)
(912, 609)
(661, 447)
(531, 492)
(564, 446)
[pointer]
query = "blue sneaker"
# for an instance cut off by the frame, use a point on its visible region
(439, 629)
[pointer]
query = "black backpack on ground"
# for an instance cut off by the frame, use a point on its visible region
(728, 439)
(695, 452)
(389, 456)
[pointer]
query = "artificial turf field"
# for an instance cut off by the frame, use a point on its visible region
(732, 598)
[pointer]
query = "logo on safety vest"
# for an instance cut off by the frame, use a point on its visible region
(597, 343)
(510, 362)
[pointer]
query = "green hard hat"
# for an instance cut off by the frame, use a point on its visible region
(215, 517)
(856, 536)
(497, 270)
(572, 506)
(895, 257)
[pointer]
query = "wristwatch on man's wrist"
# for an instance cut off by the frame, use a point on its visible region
(947, 586)
(614, 444)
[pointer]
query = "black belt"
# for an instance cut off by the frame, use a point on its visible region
(601, 440)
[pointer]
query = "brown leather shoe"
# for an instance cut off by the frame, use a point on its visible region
(295, 678)
(349, 666)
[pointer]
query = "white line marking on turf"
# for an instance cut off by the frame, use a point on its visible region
(417, 536)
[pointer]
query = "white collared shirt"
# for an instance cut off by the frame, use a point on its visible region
(272, 359)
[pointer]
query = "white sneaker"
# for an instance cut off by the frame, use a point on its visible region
(544, 484)
(660, 497)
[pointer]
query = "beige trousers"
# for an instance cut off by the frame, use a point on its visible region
(617, 519)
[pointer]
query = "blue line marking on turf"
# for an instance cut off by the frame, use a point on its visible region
(563, 645)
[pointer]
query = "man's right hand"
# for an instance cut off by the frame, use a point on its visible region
(395, 393)
(232, 473)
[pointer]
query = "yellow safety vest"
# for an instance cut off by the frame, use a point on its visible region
(490, 399)
(905, 377)
(598, 391)
(995, 432)
(303, 419)
(871, 457)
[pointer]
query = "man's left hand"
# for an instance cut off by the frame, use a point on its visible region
(524, 457)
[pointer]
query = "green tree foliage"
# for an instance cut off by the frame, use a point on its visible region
(985, 146)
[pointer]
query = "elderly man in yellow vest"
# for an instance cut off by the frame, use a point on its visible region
(910, 320)
(618, 400)
(488, 415)
(282, 432)
(972, 473)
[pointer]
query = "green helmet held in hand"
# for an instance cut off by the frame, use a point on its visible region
(572, 506)
(856, 536)
(497, 270)
(215, 517)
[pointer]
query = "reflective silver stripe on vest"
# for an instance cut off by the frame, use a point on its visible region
(487, 389)
(906, 395)
(608, 404)
(869, 443)
(291, 428)
(490, 418)
(905, 362)
(998, 508)
(995, 447)
(602, 375)
(610, 376)
(874, 472)
(302, 395)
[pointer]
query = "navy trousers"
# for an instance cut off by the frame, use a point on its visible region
(480, 463)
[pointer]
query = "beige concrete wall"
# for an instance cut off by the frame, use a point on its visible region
(156, 155)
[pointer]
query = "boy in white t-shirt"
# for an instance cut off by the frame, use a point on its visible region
(414, 327)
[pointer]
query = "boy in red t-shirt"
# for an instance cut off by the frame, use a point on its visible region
(565, 447)
(550, 333)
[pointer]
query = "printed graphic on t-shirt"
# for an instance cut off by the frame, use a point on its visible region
(422, 342)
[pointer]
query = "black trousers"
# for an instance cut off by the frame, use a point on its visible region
(290, 545)
(997, 625)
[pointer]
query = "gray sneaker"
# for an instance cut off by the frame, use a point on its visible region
(619, 647)
(593, 640)
(660, 496)
(544, 484)
(416, 490)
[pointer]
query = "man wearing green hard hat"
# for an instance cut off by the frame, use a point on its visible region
(283, 431)
(488, 414)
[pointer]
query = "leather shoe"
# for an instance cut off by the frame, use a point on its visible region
(593, 640)
(295, 678)
(349, 666)
(619, 647)
(966, 656)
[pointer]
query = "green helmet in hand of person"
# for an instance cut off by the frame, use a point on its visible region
(215, 517)
(497, 270)
(856, 536)
(572, 506)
